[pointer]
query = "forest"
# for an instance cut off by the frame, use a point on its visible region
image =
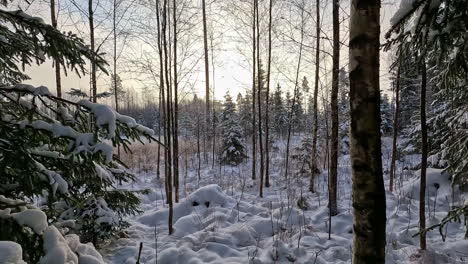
(233, 131)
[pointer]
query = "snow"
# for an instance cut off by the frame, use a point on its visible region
(56, 248)
(55, 179)
(68, 249)
(221, 219)
(33, 218)
(40, 90)
(104, 116)
(11, 253)
(406, 6)
(86, 252)
(107, 117)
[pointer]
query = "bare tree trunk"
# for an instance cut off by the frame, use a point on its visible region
(93, 63)
(259, 103)
(316, 86)
(168, 119)
(254, 121)
(207, 77)
(288, 140)
(422, 189)
(162, 98)
(366, 155)
(267, 118)
(158, 166)
(334, 111)
(176, 109)
(198, 151)
(395, 129)
(213, 104)
(58, 78)
(114, 30)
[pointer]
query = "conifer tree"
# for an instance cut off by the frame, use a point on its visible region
(233, 150)
(279, 114)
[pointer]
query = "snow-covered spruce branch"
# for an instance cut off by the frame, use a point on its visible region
(26, 39)
(62, 153)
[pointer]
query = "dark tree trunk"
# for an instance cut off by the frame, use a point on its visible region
(316, 86)
(168, 118)
(259, 103)
(58, 78)
(366, 156)
(267, 110)
(422, 189)
(334, 111)
(93, 63)
(176, 109)
(395, 129)
(254, 75)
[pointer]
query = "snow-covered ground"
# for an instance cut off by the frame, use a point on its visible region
(221, 219)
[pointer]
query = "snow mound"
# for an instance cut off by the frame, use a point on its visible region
(11, 253)
(438, 185)
(197, 202)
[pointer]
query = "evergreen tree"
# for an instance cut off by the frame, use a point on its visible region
(51, 155)
(386, 124)
(244, 104)
(302, 155)
(279, 114)
(233, 150)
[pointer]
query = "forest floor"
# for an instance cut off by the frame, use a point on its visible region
(221, 218)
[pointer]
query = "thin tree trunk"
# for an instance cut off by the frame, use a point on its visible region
(207, 71)
(267, 118)
(176, 109)
(366, 156)
(254, 121)
(93, 63)
(259, 103)
(168, 119)
(395, 129)
(114, 30)
(162, 94)
(58, 78)
(290, 117)
(422, 189)
(334, 111)
(213, 105)
(158, 166)
(316, 86)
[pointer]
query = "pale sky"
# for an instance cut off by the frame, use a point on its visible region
(232, 71)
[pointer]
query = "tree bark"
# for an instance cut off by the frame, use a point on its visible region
(254, 75)
(422, 189)
(334, 111)
(168, 125)
(267, 110)
(58, 78)
(395, 129)
(207, 71)
(259, 103)
(93, 63)
(366, 155)
(316, 86)
(162, 106)
(176, 109)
